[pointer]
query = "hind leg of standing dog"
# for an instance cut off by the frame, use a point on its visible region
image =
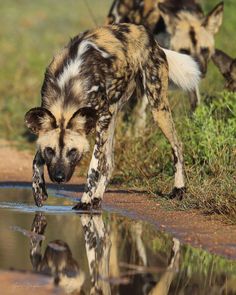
(141, 114)
(157, 96)
(38, 182)
(195, 98)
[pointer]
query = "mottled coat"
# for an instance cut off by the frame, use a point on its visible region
(85, 86)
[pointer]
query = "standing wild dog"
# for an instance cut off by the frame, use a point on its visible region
(227, 67)
(85, 86)
(182, 23)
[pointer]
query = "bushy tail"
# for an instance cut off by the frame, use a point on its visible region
(183, 70)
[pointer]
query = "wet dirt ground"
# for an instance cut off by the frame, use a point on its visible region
(207, 232)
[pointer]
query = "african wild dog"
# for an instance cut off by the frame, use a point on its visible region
(178, 24)
(227, 67)
(85, 86)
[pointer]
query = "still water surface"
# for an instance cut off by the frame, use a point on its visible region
(103, 253)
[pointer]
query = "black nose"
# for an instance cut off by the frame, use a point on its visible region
(59, 177)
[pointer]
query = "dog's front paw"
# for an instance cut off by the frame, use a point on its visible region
(39, 193)
(83, 206)
(96, 203)
(177, 193)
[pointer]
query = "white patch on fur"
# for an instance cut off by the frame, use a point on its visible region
(73, 67)
(93, 89)
(116, 13)
(183, 70)
(72, 284)
(179, 174)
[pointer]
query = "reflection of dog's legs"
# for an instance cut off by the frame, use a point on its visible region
(97, 245)
(38, 182)
(38, 226)
(114, 238)
(163, 286)
(136, 233)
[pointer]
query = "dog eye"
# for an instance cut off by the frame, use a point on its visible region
(72, 153)
(49, 152)
(184, 51)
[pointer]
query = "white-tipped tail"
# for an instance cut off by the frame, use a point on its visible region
(183, 70)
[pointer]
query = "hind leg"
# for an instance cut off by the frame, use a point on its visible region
(164, 119)
(157, 96)
(195, 98)
(140, 122)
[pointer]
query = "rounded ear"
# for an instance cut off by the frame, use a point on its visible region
(169, 17)
(40, 119)
(222, 61)
(213, 20)
(83, 120)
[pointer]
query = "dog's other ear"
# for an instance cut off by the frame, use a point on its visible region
(233, 70)
(222, 61)
(83, 120)
(40, 120)
(213, 20)
(169, 17)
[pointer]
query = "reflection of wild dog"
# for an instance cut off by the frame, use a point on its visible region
(57, 259)
(190, 32)
(85, 86)
(98, 245)
(227, 67)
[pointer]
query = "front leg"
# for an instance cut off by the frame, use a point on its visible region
(101, 164)
(38, 182)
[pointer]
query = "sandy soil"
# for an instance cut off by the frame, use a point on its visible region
(208, 232)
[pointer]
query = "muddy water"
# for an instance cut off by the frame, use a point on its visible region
(97, 254)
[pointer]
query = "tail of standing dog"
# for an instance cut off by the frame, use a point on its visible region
(183, 70)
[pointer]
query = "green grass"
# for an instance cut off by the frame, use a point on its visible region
(32, 31)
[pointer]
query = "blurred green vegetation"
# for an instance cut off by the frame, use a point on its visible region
(32, 31)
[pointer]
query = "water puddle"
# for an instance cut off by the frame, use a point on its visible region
(57, 251)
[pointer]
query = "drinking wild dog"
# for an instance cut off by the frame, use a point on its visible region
(85, 86)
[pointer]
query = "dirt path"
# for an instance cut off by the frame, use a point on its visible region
(189, 226)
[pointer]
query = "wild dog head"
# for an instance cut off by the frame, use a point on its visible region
(191, 32)
(227, 67)
(62, 137)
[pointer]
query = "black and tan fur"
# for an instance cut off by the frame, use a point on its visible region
(178, 24)
(227, 67)
(85, 86)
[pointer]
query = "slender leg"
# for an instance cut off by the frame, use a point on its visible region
(195, 98)
(140, 122)
(157, 96)
(38, 182)
(101, 165)
(164, 119)
(164, 283)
